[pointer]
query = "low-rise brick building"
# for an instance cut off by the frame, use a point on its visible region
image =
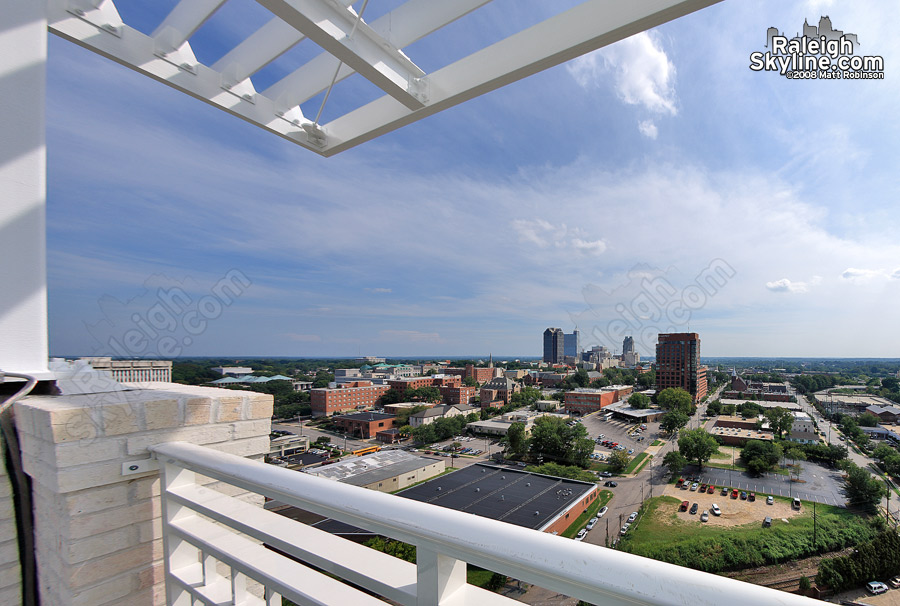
(585, 401)
(462, 394)
(357, 395)
(365, 424)
(500, 389)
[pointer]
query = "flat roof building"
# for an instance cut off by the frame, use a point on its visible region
(365, 424)
(531, 500)
(385, 471)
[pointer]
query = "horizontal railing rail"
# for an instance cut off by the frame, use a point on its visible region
(195, 539)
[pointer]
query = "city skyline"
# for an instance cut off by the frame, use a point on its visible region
(657, 156)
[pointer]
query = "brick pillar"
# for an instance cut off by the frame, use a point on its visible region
(98, 532)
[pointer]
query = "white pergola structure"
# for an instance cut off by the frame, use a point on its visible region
(348, 44)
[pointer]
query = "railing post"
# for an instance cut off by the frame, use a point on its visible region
(438, 576)
(179, 553)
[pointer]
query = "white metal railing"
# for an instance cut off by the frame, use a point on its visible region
(205, 529)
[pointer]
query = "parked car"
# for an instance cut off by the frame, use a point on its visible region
(710, 489)
(703, 488)
(602, 511)
(610, 483)
(704, 517)
(591, 523)
(624, 529)
(751, 496)
(716, 511)
(631, 451)
(724, 491)
(684, 506)
(876, 587)
(679, 483)
(770, 500)
(796, 503)
(605, 474)
(581, 534)
(694, 508)
(633, 516)
(734, 494)
(895, 582)
(694, 486)
(767, 522)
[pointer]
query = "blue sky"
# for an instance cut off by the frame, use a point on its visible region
(549, 202)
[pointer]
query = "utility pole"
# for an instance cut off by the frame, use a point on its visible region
(814, 525)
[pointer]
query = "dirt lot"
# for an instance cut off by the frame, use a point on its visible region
(735, 512)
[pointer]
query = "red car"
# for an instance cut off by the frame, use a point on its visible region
(684, 506)
(679, 482)
(711, 489)
(734, 494)
(703, 488)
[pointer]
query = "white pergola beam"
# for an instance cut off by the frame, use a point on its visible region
(582, 29)
(365, 52)
(401, 27)
(133, 49)
(185, 19)
(260, 48)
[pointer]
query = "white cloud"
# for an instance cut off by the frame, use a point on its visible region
(378, 290)
(594, 247)
(862, 275)
(896, 274)
(547, 235)
(413, 336)
(785, 285)
(648, 129)
(641, 71)
(304, 338)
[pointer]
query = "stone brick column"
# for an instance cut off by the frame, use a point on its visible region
(98, 532)
(10, 575)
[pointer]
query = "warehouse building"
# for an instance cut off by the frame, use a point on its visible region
(384, 471)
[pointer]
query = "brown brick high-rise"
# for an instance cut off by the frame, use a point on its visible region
(678, 363)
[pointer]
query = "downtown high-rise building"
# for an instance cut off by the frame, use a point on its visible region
(629, 356)
(554, 345)
(678, 363)
(572, 344)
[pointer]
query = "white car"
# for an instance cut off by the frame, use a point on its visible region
(632, 517)
(602, 511)
(624, 529)
(591, 523)
(875, 587)
(695, 485)
(704, 517)
(581, 534)
(716, 511)
(770, 500)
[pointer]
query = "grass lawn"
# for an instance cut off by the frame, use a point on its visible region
(478, 576)
(637, 462)
(656, 443)
(663, 536)
(590, 512)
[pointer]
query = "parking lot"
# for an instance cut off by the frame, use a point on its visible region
(818, 483)
(617, 430)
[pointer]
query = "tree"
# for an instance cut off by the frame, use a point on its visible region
(697, 445)
(618, 461)
(780, 420)
(862, 489)
(639, 401)
(675, 398)
(867, 419)
(553, 439)
(751, 409)
(405, 413)
(470, 382)
(675, 462)
(515, 438)
(673, 420)
(573, 472)
(759, 456)
(714, 408)
(796, 454)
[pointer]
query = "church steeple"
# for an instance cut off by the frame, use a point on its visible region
(491, 361)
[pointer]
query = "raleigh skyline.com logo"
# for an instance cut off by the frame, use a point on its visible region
(819, 53)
